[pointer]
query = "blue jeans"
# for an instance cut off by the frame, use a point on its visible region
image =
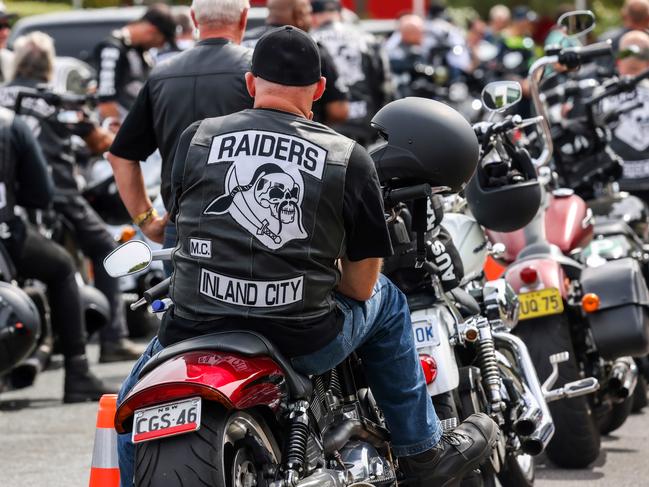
(380, 332)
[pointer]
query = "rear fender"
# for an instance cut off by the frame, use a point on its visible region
(234, 381)
(550, 272)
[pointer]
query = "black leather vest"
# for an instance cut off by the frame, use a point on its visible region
(352, 52)
(7, 167)
(260, 221)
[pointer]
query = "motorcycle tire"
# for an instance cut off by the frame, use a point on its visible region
(518, 471)
(616, 417)
(576, 442)
(228, 448)
(640, 395)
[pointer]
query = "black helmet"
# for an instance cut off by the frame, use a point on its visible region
(427, 142)
(20, 326)
(505, 197)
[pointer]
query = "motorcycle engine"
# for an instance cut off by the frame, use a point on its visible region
(365, 464)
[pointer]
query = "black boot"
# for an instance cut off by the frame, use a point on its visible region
(81, 384)
(120, 350)
(459, 452)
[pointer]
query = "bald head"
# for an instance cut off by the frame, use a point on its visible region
(293, 99)
(637, 42)
(290, 12)
(499, 18)
(636, 14)
(411, 28)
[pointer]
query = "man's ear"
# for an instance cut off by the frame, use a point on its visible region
(320, 88)
(243, 21)
(250, 84)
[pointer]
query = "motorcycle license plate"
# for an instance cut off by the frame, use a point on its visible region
(540, 303)
(172, 418)
(425, 334)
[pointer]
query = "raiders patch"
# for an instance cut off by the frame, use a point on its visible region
(264, 185)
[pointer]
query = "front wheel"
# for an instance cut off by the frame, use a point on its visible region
(576, 441)
(229, 450)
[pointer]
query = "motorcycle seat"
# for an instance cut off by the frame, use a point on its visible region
(245, 343)
(466, 304)
(542, 250)
(609, 228)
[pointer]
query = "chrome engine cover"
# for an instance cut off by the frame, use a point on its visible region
(365, 464)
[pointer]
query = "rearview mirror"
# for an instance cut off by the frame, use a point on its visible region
(500, 95)
(577, 23)
(132, 257)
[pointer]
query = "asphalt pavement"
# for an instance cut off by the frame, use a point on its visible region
(44, 443)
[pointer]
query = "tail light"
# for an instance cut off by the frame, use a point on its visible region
(529, 275)
(429, 366)
(590, 302)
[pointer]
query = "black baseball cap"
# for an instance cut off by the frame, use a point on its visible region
(326, 6)
(287, 56)
(159, 15)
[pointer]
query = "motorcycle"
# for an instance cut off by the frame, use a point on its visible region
(585, 162)
(259, 419)
(566, 307)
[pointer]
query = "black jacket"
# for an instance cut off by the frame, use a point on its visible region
(202, 82)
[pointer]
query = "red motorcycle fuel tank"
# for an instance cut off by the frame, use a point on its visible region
(568, 225)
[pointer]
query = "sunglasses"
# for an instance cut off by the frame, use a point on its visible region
(634, 51)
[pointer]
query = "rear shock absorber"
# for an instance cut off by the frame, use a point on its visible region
(489, 365)
(296, 444)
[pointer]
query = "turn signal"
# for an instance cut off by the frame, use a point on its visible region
(590, 302)
(128, 233)
(430, 367)
(529, 275)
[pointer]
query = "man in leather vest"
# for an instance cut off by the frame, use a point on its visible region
(123, 62)
(281, 231)
(35, 54)
(631, 135)
(25, 181)
(362, 66)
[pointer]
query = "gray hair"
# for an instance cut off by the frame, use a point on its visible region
(219, 12)
(34, 56)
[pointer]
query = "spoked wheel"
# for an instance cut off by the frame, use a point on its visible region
(518, 471)
(229, 450)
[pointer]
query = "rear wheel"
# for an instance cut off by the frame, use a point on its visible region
(576, 441)
(640, 395)
(616, 417)
(518, 471)
(229, 450)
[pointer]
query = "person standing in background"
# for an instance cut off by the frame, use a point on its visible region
(362, 66)
(631, 135)
(123, 62)
(204, 81)
(184, 35)
(333, 106)
(6, 56)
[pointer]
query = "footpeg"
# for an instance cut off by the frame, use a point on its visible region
(571, 389)
(449, 424)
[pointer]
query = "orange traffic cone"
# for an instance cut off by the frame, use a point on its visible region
(104, 471)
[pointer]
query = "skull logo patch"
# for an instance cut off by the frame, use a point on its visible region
(266, 202)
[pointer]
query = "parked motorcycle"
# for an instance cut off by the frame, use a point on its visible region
(598, 315)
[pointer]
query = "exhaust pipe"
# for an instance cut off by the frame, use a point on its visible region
(623, 377)
(536, 443)
(535, 424)
(528, 422)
